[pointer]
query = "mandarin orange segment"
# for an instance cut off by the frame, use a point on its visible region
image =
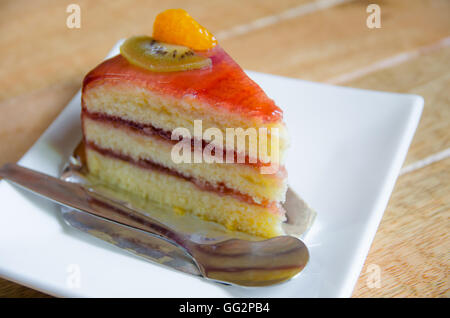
(176, 26)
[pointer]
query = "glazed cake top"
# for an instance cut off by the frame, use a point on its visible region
(223, 85)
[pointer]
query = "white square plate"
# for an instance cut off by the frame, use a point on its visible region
(348, 146)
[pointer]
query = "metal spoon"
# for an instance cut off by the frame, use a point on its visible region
(239, 262)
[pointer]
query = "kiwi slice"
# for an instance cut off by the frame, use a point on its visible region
(156, 56)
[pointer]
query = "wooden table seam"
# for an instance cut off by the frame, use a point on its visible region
(389, 62)
(417, 165)
(270, 20)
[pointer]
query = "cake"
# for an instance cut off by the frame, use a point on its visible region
(152, 118)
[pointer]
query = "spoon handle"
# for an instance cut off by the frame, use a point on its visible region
(77, 197)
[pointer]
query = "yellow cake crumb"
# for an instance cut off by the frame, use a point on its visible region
(175, 192)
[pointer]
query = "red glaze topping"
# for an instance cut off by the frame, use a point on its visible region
(223, 85)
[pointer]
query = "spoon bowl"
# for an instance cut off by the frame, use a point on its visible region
(234, 261)
(251, 263)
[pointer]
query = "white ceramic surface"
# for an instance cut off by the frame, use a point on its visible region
(347, 148)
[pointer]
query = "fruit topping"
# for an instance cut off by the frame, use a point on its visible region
(157, 56)
(176, 26)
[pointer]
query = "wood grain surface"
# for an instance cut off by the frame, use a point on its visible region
(42, 63)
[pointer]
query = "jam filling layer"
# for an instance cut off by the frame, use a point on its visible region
(219, 188)
(149, 130)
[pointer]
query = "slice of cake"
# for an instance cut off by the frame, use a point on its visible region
(173, 119)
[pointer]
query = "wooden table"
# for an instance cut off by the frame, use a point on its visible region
(42, 63)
